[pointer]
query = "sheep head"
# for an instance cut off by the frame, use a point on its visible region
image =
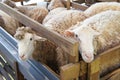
(26, 42)
(85, 38)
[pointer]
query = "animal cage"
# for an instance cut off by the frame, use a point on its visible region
(76, 69)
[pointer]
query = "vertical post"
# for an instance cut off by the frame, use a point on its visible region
(94, 70)
(68, 4)
(70, 71)
(18, 75)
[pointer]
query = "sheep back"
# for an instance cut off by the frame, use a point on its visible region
(100, 7)
(25, 9)
(64, 20)
(109, 34)
(38, 13)
(52, 13)
(10, 24)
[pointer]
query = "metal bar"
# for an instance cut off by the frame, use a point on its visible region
(4, 73)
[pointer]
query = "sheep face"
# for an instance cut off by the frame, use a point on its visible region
(26, 44)
(86, 46)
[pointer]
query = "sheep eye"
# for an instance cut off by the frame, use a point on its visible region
(31, 39)
(76, 35)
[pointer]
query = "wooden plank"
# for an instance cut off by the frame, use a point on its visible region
(83, 70)
(108, 63)
(69, 71)
(109, 50)
(93, 70)
(68, 45)
(76, 5)
(115, 73)
(68, 4)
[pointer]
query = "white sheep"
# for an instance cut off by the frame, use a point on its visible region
(64, 20)
(35, 12)
(41, 49)
(38, 13)
(8, 23)
(100, 7)
(97, 34)
(52, 13)
(55, 4)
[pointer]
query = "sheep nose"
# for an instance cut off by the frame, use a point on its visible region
(22, 57)
(89, 58)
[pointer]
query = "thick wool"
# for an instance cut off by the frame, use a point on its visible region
(38, 14)
(65, 20)
(35, 12)
(52, 13)
(8, 23)
(100, 7)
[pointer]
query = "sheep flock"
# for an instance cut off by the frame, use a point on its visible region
(96, 29)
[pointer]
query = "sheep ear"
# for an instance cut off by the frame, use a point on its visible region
(69, 33)
(38, 38)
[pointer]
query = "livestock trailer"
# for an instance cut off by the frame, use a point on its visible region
(76, 69)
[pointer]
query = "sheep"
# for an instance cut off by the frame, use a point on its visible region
(41, 49)
(100, 7)
(97, 34)
(59, 23)
(35, 12)
(55, 4)
(38, 13)
(8, 23)
(52, 13)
